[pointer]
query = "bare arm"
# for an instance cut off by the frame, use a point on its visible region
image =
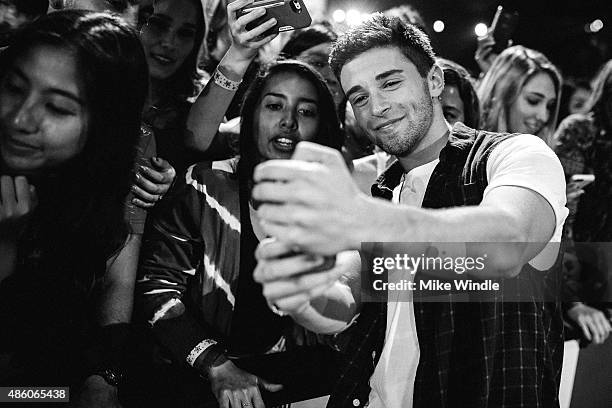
(117, 300)
(208, 111)
(319, 209)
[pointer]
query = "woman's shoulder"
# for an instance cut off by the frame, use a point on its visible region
(211, 178)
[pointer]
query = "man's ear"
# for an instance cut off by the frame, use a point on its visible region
(435, 81)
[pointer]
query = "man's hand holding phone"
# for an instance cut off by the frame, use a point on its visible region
(311, 201)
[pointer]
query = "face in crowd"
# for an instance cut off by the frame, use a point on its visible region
(124, 8)
(43, 113)
(533, 108)
(318, 57)
(287, 113)
(169, 36)
(391, 100)
(452, 105)
(578, 100)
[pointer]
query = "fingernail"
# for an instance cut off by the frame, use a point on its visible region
(143, 168)
(134, 201)
(273, 21)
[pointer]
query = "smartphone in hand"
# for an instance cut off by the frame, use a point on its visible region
(289, 14)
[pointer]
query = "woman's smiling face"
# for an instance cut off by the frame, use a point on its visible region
(43, 113)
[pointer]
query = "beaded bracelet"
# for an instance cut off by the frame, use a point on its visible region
(224, 82)
(199, 349)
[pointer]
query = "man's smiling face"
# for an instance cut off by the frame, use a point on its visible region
(391, 100)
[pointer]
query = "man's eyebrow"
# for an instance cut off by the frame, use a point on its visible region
(351, 91)
(386, 74)
(378, 77)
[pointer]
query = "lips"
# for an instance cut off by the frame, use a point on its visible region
(162, 59)
(387, 125)
(285, 143)
(20, 146)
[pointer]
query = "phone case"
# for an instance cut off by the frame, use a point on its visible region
(289, 14)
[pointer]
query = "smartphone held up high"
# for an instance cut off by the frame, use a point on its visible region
(289, 14)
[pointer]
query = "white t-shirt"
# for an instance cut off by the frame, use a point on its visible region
(524, 161)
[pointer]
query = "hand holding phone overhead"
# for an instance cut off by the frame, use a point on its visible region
(289, 14)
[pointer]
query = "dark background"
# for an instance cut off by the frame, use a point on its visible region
(556, 28)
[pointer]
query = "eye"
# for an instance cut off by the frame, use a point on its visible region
(392, 84)
(186, 33)
(273, 106)
(308, 112)
(359, 100)
(59, 110)
(533, 101)
(450, 115)
(157, 24)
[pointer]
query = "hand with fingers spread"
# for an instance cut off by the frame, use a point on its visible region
(311, 201)
(484, 52)
(236, 388)
(593, 322)
(17, 201)
(152, 182)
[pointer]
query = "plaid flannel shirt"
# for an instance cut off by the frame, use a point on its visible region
(478, 354)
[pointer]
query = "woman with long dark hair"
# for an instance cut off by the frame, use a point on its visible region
(196, 286)
(72, 88)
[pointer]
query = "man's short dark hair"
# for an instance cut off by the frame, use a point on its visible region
(380, 31)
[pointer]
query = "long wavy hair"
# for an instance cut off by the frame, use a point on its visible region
(80, 217)
(329, 133)
(600, 101)
(503, 83)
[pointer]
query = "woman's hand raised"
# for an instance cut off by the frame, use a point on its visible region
(246, 43)
(17, 201)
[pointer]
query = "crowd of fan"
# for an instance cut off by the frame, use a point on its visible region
(129, 135)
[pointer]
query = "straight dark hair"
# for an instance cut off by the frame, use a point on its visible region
(80, 217)
(329, 133)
